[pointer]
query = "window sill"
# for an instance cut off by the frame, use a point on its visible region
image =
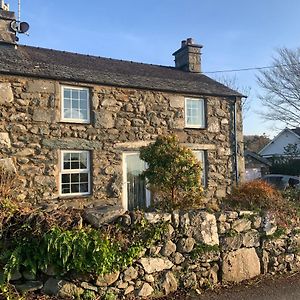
(194, 127)
(71, 196)
(73, 121)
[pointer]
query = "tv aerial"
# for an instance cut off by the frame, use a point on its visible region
(17, 25)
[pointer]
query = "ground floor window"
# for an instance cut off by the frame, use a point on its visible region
(135, 193)
(201, 156)
(75, 173)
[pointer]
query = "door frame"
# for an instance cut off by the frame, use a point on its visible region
(124, 183)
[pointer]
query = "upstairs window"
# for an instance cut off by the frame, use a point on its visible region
(75, 106)
(75, 173)
(194, 113)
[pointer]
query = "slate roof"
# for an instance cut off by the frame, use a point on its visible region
(257, 157)
(60, 65)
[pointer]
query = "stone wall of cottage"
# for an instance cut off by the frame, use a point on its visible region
(122, 119)
(198, 250)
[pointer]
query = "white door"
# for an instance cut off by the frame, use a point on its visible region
(135, 194)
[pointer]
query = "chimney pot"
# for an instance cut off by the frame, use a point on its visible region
(188, 57)
(190, 41)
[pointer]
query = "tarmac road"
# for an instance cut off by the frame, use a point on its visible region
(266, 288)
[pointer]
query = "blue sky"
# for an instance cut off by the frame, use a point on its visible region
(235, 34)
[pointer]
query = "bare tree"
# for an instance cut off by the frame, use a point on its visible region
(281, 85)
(232, 83)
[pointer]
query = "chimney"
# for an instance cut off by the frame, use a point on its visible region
(7, 34)
(188, 57)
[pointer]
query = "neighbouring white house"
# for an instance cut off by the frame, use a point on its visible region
(284, 138)
(256, 166)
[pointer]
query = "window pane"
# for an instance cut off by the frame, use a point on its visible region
(75, 188)
(68, 113)
(75, 156)
(83, 160)
(67, 93)
(83, 94)
(67, 104)
(65, 189)
(83, 114)
(65, 178)
(75, 114)
(75, 165)
(84, 188)
(67, 165)
(83, 104)
(200, 154)
(75, 94)
(75, 104)
(74, 178)
(84, 177)
(67, 157)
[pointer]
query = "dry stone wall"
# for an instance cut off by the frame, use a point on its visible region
(122, 119)
(198, 250)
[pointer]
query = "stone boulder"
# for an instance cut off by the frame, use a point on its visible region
(146, 290)
(29, 286)
(204, 227)
(107, 279)
(61, 288)
(152, 265)
(170, 283)
(8, 164)
(102, 215)
(6, 93)
(5, 140)
(168, 248)
(241, 225)
(130, 274)
(240, 265)
(186, 245)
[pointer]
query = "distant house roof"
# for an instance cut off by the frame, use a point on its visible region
(296, 131)
(60, 65)
(280, 141)
(257, 157)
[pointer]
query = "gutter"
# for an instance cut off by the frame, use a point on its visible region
(235, 141)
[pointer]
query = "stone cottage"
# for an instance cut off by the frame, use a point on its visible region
(71, 125)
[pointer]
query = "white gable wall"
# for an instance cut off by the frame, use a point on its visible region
(276, 147)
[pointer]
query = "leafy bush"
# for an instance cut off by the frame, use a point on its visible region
(254, 195)
(173, 173)
(259, 195)
(80, 250)
(292, 194)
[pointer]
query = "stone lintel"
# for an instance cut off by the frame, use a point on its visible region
(138, 144)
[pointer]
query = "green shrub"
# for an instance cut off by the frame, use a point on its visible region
(84, 250)
(173, 173)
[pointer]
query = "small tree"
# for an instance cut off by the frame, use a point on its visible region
(173, 173)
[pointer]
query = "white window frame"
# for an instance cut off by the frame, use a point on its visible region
(203, 162)
(125, 189)
(74, 120)
(202, 124)
(74, 171)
